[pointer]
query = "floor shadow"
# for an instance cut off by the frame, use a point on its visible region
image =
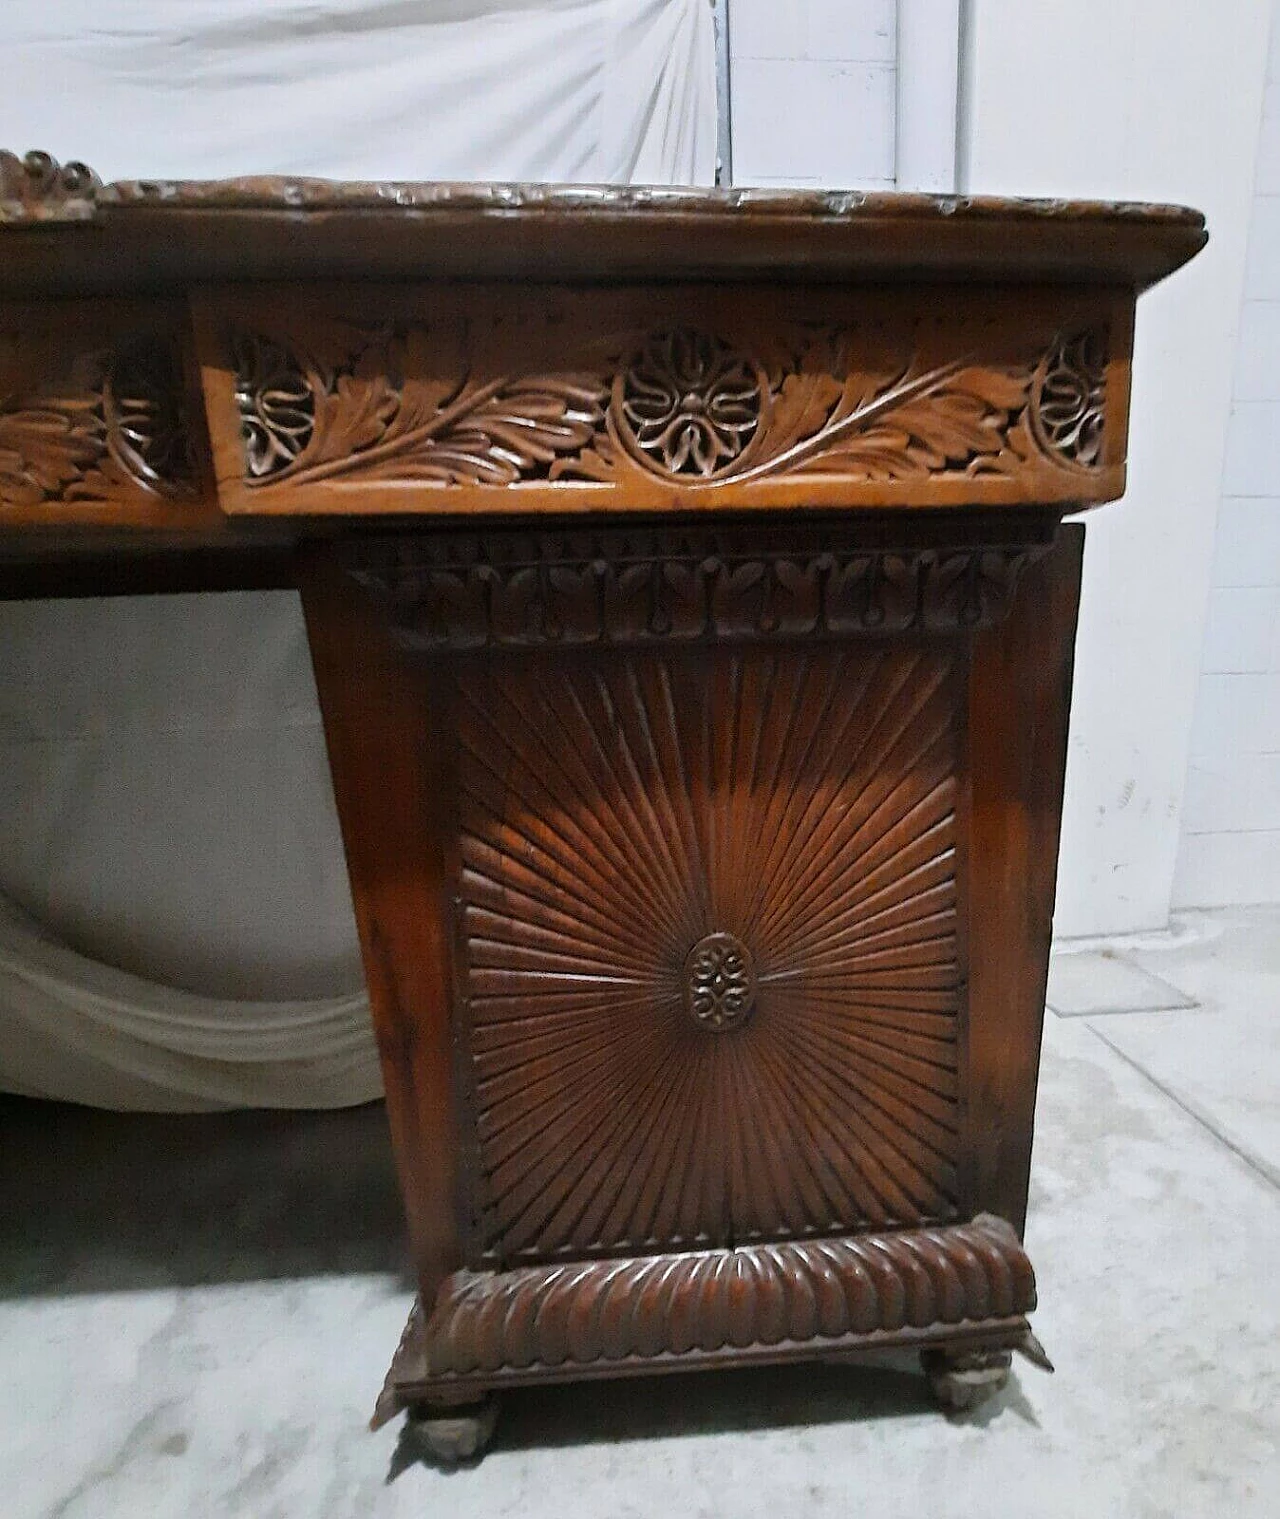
(93, 1201)
(704, 1403)
(888, 1385)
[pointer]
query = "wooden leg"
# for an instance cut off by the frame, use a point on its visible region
(452, 1434)
(962, 1379)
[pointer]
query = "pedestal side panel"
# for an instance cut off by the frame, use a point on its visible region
(708, 919)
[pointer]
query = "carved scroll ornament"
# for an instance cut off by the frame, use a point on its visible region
(681, 404)
(37, 188)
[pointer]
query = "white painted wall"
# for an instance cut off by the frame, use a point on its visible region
(813, 89)
(1145, 99)
(1150, 99)
(1231, 822)
(833, 94)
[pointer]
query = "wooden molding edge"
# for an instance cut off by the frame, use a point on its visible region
(960, 1283)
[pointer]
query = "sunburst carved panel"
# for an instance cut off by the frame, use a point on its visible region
(622, 817)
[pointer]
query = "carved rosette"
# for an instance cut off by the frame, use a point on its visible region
(720, 982)
(687, 404)
(115, 425)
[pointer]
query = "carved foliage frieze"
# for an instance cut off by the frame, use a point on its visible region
(456, 592)
(110, 424)
(397, 403)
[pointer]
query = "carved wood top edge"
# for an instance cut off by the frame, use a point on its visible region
(1129, 241)
(291, 194)
(42, 177)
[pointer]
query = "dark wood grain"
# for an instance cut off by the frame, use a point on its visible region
(618, 813)
(146, 234)
(393, 780)
(1019, 703)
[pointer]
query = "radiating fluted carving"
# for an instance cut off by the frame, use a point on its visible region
(614, 816)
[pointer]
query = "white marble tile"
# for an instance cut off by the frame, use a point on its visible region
(1100, 981)
(1223, 1060)
(1219, 869)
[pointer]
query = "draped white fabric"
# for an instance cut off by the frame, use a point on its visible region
(608, 90)
(175, 925)
(89, 1033)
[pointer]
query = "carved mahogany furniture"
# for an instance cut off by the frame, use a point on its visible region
(693, 628)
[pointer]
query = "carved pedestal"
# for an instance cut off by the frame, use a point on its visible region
(693, 628)
(742, 904)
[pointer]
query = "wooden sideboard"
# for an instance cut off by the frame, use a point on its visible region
(693, 627)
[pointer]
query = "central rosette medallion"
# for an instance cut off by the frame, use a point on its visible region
(719, 982)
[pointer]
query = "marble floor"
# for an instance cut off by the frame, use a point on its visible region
(195, 1314)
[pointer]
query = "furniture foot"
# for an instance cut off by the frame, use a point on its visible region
(451, 1434)
(962, 1379)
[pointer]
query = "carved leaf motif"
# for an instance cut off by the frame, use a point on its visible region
(350, 417)
(923, 423)
(803, 404)
(608, 588)
(809, 397)
(500, 433)
(598, 462)
(386, 415)
(44, 449)
(112, 425)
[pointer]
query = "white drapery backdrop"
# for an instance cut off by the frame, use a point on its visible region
(175, 924)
